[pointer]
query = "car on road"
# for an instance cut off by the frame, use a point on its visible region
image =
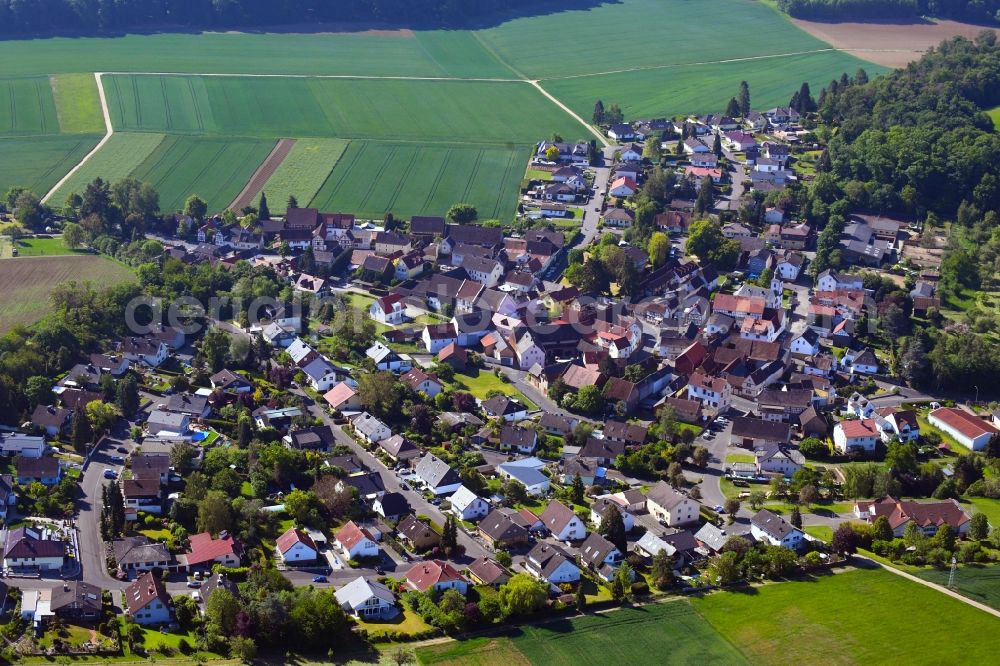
(319, 579)
(194, 583)
(436, 501)
(380, 571)
(719, 508)
(403, 486)
(110, 474)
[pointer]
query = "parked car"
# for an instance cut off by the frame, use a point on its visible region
(110, 474)
(194, 583)
(117, 459)
(319, 579)
(719, 508)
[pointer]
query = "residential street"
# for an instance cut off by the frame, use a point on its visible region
(592, 213)
(473, 548)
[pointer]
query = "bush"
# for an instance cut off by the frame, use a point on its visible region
(640, 588)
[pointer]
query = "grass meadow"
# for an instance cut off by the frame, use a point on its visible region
(28, 281)
(216, 169)
(303, 172)
(980, 582)
(78, 105)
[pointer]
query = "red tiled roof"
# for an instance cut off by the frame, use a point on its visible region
(205, 549)
(425, 575)
(293, 536)
(858, 428)
(351, 535)
(968, 424)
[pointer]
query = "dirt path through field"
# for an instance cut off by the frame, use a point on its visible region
(889, 44)
(109, 130)
(262, 174)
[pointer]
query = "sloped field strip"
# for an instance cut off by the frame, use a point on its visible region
(38, 162)
(215, 169)
(262, 174)
(373, 178)
(303, 171)
(78, 106)
(118, 158)
(436, 111)
(27, 106)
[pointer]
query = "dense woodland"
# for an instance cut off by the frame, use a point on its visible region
(22, 17)
(980, 11)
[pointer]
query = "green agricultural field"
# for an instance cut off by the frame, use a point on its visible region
(674, 90)
(846, 619)
(672, 631)
(450, 53)
(39, 162)
(116, 159)
(27, 107)
(659, 32)
(215, 169)
(421, 111)
(303, 172)
(980, 582)
(78, 105)
(373, 178)
(28, 282)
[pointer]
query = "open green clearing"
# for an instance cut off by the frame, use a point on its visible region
(994, 115)
(36, 247)
(39, 162)
(216, 169)
(77, 103)
(846, 619)
(28, 281)
(373, 178)
(401, 110)
(118, 158)
(485, 381)
(303, 172)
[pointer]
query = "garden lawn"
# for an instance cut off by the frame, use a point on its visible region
(474, 652)
(980, 582)
(78, 106)
(213, 168)
(38, 247)
(856, 617)
(373, 178)
(484, 382)
(822, 532)
(406, 623)
(302, 172)
(117, 159)
(39, 162)
(990, 507)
